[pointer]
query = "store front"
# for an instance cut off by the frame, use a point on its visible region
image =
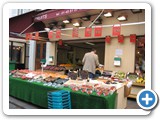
(119, 46)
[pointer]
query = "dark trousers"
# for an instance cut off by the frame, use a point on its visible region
(91, 75)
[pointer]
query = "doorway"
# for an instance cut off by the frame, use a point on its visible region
(40, 54)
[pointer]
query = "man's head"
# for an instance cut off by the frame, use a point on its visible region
(94, 50)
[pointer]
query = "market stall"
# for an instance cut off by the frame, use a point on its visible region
(32, 85)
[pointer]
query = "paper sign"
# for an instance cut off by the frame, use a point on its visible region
(119, 52)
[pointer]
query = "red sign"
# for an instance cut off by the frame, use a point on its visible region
(132, 38)
(60, 42)
(58, 33)
(75, 32)
(88, 32)
(120, 38)
(36, 36)
(108, 39)
(116, 30)
(30, 36)
(98, 31)
(27, 36)
(50, 34)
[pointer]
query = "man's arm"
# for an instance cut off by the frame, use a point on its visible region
(97, 60)
(84, 58)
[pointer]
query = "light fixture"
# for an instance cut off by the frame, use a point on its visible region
(77, 24)
(66, 21)
(89, 43)
(108, 14)
(122, 17)
(98, 21)
(47, 29)
(136, 10)
(86, 18)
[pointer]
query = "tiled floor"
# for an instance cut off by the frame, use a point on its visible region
(18, 104)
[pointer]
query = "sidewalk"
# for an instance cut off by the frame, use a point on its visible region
(19, 104)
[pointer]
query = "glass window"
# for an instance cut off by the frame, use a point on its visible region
(18, 52)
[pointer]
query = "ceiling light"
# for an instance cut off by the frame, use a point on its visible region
(76, 24)
(108, 14)
(98, 21)
(86, 18)
(47, 29)
(122, 18)
(136, 10)
(89, 43)
(66, 21)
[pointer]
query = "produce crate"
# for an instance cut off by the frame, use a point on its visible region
(127, 91)
(59, 100)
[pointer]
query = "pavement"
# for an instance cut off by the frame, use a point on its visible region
(15, 103)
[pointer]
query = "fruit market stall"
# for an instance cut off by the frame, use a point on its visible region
(110, 90)
(24, 86)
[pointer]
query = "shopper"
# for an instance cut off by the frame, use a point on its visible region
(90, 62)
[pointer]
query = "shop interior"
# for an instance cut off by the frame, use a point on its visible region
(72, 52)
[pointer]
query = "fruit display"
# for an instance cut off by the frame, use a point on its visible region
(73, 75)
(140, 80)
(106, 74)
(54, 68)
(119, 75)
(132, 76)
(83, 74)
(66, 65)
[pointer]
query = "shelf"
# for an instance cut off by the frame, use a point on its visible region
(138, 84)
(132, 96)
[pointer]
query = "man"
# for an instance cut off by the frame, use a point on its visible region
(90, 62)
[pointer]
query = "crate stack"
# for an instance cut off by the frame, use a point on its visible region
(59, 100)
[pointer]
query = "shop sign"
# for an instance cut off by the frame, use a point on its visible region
(120, 38)
(88, 32)
(50, 34)
(132, 38)
(60, 42)
(58, 33)
(116, 30)
(98, 31)
(27, 36)
(56, 13)
(75, 32)
(108, 39)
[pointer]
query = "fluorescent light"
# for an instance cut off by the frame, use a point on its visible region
(109, 14)
(86, 18)
(98, 21)
(47, 29)
(89, 43)
(122, 18)
(66, 21)
(136, 10)
(76, 24)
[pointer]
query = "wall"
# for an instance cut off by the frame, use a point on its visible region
(127, 58)
(32, 56)
(51, 51)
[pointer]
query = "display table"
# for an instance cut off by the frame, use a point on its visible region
(36, 93)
